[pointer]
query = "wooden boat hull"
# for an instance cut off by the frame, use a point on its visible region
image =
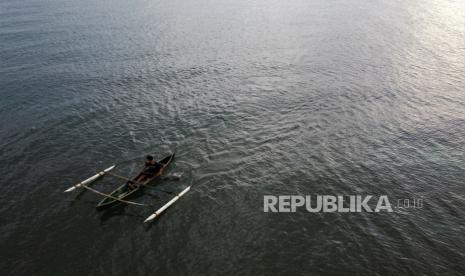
(123, 191)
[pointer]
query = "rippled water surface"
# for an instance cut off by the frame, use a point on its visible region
(256, 98)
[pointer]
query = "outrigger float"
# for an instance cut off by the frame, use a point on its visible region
(121, 193)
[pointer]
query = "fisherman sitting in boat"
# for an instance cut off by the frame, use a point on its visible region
(152, 168)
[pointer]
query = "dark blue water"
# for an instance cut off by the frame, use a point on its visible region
(256, 98)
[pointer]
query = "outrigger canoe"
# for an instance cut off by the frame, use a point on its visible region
(123, 191)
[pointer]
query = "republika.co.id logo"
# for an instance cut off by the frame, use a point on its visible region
(340, 204)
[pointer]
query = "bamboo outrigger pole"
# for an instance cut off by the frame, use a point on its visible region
(164, 207)
(90, 179)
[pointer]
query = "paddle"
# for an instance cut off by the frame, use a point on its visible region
(173, 177)
(125, 178)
